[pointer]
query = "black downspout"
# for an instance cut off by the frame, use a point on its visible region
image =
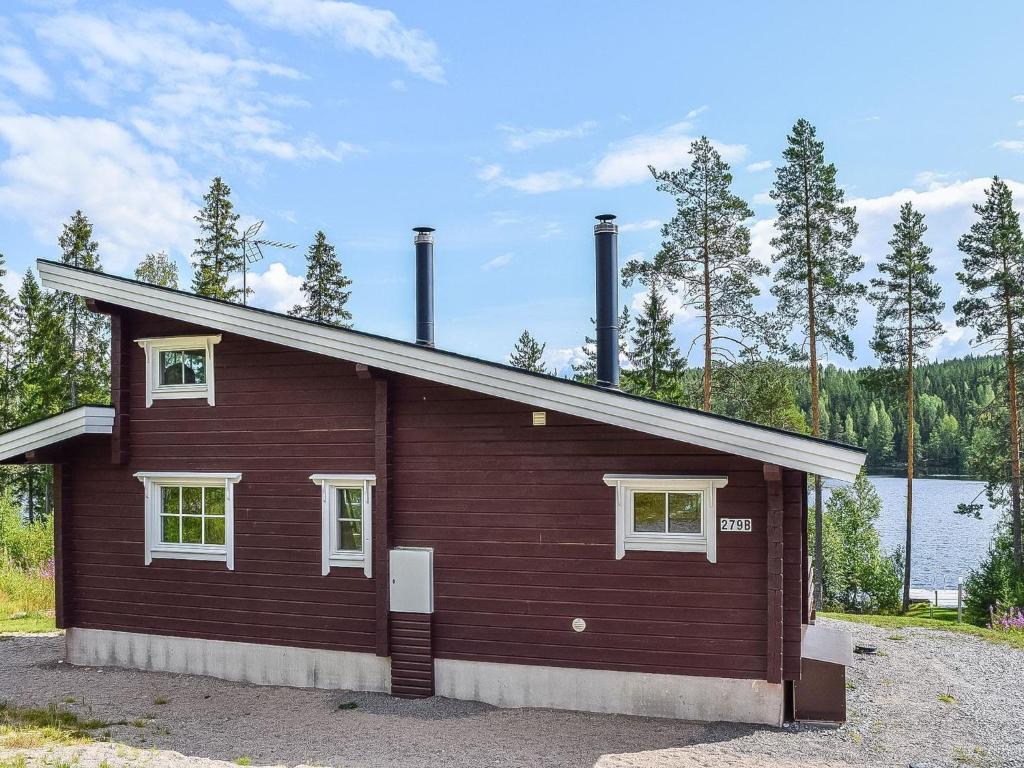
(606, 241)
(424, 240)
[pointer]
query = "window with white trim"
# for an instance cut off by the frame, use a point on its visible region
(179, 367)
(346, 521)
(190, 516)
(665, 513)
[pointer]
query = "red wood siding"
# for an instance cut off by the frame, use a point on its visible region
(519, 517)
(280, 416)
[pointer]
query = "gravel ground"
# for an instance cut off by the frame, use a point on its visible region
(896, 718)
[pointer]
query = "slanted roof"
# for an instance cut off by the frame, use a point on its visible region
(87, 420)
(542, 391)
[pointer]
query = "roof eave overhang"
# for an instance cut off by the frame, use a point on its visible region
(87, 420)
(609, 407)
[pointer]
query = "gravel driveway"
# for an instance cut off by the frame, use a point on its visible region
(896, 718)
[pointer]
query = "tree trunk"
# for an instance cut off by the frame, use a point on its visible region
(910, 456)
(1011, 371)
(31, 497)
(812, 340)
(707, 332)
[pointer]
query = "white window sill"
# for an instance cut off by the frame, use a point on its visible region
(198, 552)
(343, 560)
(187, 392)
(665, 544)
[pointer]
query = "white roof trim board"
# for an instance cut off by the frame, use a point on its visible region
(87, 420)
(549, 393)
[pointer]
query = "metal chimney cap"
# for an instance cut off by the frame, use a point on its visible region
(423, 234)
(606, 223)
(605, 217)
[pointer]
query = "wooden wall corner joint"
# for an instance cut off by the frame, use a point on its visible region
(773, 574)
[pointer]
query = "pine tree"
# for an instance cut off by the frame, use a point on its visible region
(655, 356)
(158, 269)
(527, 354)
(993, 304)
(708, 248)
(908, 305)
(217, 252)
(324, 289)
(87, 332)
(813, 282)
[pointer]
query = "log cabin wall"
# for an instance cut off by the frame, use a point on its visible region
(519, 518)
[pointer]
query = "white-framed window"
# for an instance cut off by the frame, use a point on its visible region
(190, 515)
(346, 521)
(179, 367)
(665, 513)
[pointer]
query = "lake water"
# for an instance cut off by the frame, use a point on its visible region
(946, 545)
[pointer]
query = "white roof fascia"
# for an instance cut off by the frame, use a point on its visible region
(609, 407)
(87, 420)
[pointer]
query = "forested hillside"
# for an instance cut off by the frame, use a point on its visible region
(858, 408)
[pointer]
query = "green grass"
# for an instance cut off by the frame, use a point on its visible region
(14, 622)
(942, 619)
(31, 727)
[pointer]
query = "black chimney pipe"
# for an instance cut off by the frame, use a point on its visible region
(424, 240)
(606, 242)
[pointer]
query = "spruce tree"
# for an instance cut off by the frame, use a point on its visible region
(87, 332)
(157, 269)
(217, 253)
(42, 368)
(657, 364)
(907, 303)
(993, 304)
(813, 282)
(527, 354)
(709, 257)
(324, 289)
(8, 374)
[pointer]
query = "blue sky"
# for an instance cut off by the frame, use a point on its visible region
(505, 127)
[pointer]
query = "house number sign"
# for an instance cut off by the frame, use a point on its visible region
(735, 525)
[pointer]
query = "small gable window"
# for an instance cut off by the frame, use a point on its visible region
(179, 368)
(665, 513)
(346, 518)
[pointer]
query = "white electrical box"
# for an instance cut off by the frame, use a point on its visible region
(412, 579)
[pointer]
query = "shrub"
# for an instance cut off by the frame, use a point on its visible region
(991, 586)
(857, 577)
(26, 590)
(27, 546)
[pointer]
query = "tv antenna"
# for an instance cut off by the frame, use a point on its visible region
(252, 251)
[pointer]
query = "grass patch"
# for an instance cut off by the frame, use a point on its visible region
(243, 761)
(14, 621)
(913, 619)
(946, 698)
(30, 727)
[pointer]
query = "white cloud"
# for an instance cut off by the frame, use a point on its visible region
(626, 161)
(763, 198)
(698, 111)
(17, 67)
(561, 360)
(932, 179)
(1013, 145)
(498, 262)
(530, 183)
(188, 86)
(1019, 98)
(520, 139)
(640, 226)
(274, 289)
(139, 201)
(760, 165)
(398, 85)
(353, 27)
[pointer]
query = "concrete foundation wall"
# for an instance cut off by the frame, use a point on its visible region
(244, 662)
(504, 685)
(682, 697)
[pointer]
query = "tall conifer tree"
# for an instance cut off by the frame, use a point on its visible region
(993, 304)
(657, 363)
(217, 253)
(86, 331)
(813, 282)
(709, 249)
(527, 354)
(324, 291)
(907, 303)
(157, 269)
(8, 373)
